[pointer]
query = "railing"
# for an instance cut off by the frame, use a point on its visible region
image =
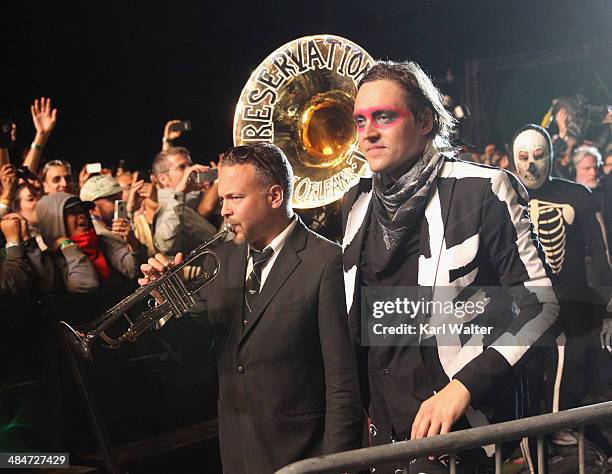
(400, 454)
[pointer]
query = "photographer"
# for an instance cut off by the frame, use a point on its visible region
(142, 205)
(115, 232)
(178, 225)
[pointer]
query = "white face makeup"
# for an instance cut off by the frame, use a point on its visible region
(532, 158)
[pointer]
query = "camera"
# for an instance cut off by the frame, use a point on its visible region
(584, 121)
(24, 172)
(203, 177)
(181, 126)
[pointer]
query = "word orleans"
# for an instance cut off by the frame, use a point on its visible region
(300, 57)
(307, 190)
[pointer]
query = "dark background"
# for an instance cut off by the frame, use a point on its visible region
(118, 70)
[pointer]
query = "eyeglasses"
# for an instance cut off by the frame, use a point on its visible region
(181, 167)
(243, 153)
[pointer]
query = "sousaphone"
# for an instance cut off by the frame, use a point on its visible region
(301, 99)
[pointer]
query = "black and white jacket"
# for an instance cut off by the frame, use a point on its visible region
(476, 233)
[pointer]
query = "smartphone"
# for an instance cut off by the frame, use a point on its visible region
(93, 168)
(209, 175)
(121, 209)
(181, 126)
(6, 126)
(144, 175)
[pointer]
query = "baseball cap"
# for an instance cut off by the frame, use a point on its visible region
(73, 201)
(99, 186)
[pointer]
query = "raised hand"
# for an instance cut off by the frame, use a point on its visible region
(23, 224)
(561, 121)
(170, 135)
(148, 191)
(43, 116)
(83, 176)
(8, 181)
(133, 200)
(123, 228)
(11, 228)
(186, 184)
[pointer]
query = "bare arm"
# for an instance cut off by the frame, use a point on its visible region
(169, 135)
(4, 153)
(209, 200)
(44, 118)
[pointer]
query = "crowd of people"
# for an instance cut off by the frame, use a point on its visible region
(402, 225)
(62, 233)
(168, 211)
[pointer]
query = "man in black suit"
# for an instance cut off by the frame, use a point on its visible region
(288, 385)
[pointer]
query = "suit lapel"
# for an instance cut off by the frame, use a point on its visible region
(437, 214)
(283, 267)
(236, 271)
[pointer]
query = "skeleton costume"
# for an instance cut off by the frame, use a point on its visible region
(562, 214)
(563, 217)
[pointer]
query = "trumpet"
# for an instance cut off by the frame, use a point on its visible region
(179, 298)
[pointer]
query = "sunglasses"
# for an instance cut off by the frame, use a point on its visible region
(244, 153)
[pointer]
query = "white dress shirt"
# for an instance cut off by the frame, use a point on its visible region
(276, 245)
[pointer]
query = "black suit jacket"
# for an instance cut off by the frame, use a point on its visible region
(288, 386)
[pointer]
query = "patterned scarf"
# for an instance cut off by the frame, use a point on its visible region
(396, 208)
(88, 243)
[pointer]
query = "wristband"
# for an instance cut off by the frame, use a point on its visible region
(36, 146)
(167, 140)
(65, 244)
(14, 243)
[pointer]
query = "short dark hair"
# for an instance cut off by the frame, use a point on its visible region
(271, 165)
(421, 93)
(160, 164)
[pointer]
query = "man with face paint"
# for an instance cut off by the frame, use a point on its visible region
(564, 219)
(426, 220)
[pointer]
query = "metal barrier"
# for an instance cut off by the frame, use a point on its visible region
(400, 454)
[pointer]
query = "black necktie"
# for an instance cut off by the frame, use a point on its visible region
(253, 283)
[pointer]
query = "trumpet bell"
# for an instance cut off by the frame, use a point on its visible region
(301, 99)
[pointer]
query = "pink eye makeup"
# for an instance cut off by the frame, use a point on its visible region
(380, 117)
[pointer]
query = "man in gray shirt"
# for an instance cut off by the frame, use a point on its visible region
(180, 224)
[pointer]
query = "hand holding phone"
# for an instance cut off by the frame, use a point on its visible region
(121, 210)
(93, 168)
(204, 177)
(180, 126)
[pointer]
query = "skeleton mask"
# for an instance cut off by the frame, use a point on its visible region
(532, 158)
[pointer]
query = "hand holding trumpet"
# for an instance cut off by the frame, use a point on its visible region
(154, 267)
